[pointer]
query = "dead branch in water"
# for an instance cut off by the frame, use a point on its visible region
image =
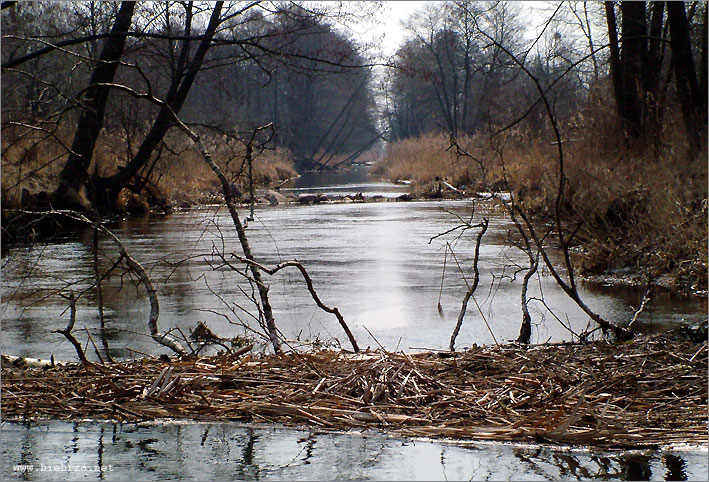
(476, 278)
(99, 294)
(311, 289)
(164, 339)
(67, 332)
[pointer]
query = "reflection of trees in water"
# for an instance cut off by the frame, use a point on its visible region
(99, 452)
(530, 457)
(622, 467)
(309, 448)
(635, 467)
(675, 467)
(27, 456)
(75, 438)
(246, 468)
(569, 465)
(605, 466)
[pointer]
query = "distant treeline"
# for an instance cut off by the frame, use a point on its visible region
(461, 71)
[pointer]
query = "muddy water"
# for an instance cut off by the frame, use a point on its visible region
(232, 451)
(376, 262)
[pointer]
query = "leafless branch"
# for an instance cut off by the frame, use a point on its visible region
(67, 332)
(311, 289)
(471, 289)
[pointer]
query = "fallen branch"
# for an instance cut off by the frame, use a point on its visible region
(67, 332)
(471, 289)
(164, 339)
(645, 300)
(311, 289)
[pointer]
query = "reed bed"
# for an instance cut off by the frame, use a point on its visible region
(645, 393)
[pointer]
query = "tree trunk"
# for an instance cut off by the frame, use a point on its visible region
(74, 176)
(685, 74)
(703, 67)
(633, 52)
(616, 68)
(652, 72)
(109, 188)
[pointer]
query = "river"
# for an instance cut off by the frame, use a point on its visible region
(374, 261)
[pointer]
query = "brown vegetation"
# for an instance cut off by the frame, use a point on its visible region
(640, 207)
(648, 392)
(179, 174)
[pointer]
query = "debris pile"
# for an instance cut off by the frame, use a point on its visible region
(648, 392)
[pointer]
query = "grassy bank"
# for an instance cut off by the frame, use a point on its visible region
(638, 207)
(33, 163)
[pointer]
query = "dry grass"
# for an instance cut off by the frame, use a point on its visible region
(649, 392)
(640, 207)
(424, 158)
(32, 161)
(35, 161)
(185, 176)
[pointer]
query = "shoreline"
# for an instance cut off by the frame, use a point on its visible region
(625, 277)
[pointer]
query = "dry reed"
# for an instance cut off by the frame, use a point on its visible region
(640, 206)
(648, 392)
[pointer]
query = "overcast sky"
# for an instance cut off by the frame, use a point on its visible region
(386, 30)
(391, 28)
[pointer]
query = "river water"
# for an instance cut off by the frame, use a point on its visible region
(375, 262)
(233, 451)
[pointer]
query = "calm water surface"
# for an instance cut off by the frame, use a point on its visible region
(375, 261)
(232, 451)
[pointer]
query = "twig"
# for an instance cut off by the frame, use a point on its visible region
(645, 300)
(67, 332)
(373, 337)
(311, 289)
(471, 290)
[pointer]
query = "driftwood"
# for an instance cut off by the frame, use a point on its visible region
(10, 361)
(645, 393)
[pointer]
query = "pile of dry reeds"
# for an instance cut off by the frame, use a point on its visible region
(647, 392)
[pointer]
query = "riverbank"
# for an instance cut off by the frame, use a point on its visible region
(645, 393)
(628, 207)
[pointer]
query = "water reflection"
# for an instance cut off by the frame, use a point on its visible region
(225, 451)
(676, 467)
(373, 261)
